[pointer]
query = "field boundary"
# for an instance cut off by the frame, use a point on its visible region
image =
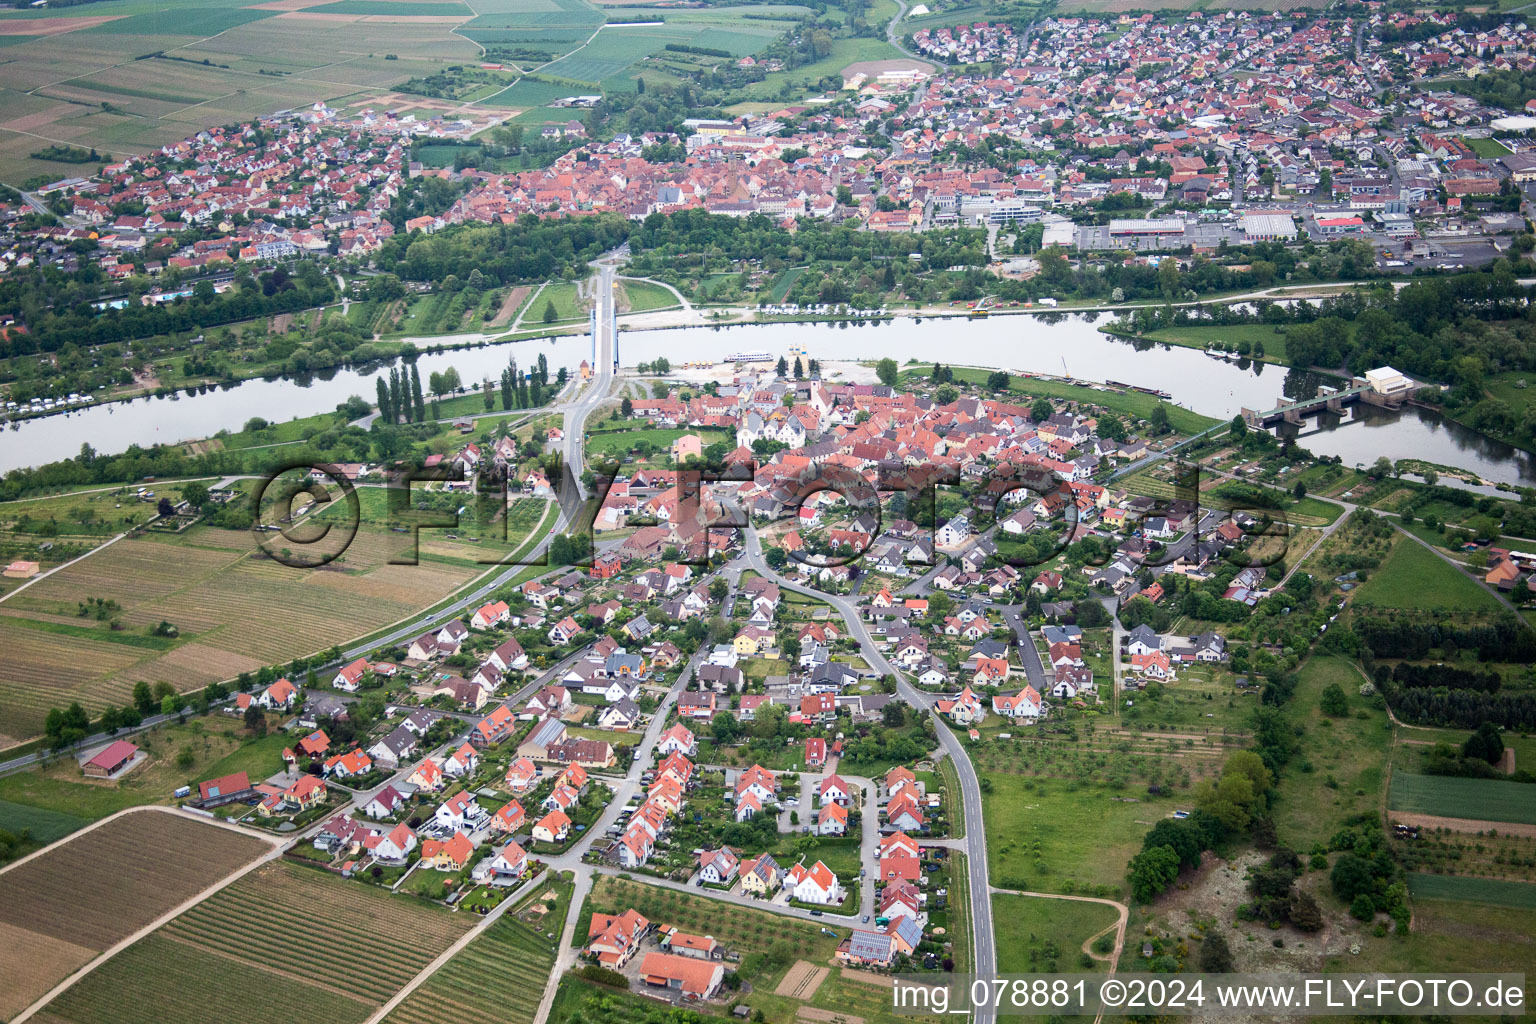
(159, 922)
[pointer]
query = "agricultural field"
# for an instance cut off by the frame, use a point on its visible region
(1041, 935)
(71, 524)
(219, 592)
(499, 977)
(60, 909)
(1477, 799)
(158, 980)
(1519, 895)
(1416, 579)
(134, 76)
(361, 945)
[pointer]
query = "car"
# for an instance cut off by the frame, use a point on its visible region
(815, 913)
(698, 883)
(864, 919)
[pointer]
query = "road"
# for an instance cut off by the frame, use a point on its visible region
(984, 961)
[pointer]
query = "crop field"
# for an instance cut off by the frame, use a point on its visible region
(94, 76)
(1477, 799)
(1521, 895)
(235, 608)
(59, 910)
(499, 977)
(43, 825)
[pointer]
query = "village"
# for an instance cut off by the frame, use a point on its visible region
(712, 711)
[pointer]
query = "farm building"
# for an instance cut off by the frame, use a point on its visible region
(112, 759)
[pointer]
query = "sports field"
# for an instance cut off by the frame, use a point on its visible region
(1477, 799)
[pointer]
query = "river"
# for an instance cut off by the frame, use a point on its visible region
(1061, 344)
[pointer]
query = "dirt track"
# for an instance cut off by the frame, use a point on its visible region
(1503, 828)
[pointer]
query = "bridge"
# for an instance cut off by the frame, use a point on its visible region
(1330, 399)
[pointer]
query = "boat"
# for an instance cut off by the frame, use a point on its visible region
(749, 357)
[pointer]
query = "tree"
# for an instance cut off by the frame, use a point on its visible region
(143, 698)
(255, 721)
(1381, 468)
(1239, 428)
(1351, 876)
(1299, 491)
(170, 704)
(1159, 419)
(1152, 871)
(886, 370)
(1334, 702)
(1362, 907)
(945, 395)
(626, 407)
(195, 494)
(782, 369)
(416, 398)
(998, 380)
(165, 508)
(1215, 954)
(1041, 410)
(1485, 744)
(549, 311)
(1304, 912)
(383, 397)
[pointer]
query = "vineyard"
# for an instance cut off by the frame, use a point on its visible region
(66, 906)
(498, 977)
(236, 611)
(357, 942)
(160, 981)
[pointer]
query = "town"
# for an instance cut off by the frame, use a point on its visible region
(385, 646)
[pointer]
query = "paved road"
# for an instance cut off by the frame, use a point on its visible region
(985, 960)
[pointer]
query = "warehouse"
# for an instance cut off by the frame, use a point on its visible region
(1267, 227)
